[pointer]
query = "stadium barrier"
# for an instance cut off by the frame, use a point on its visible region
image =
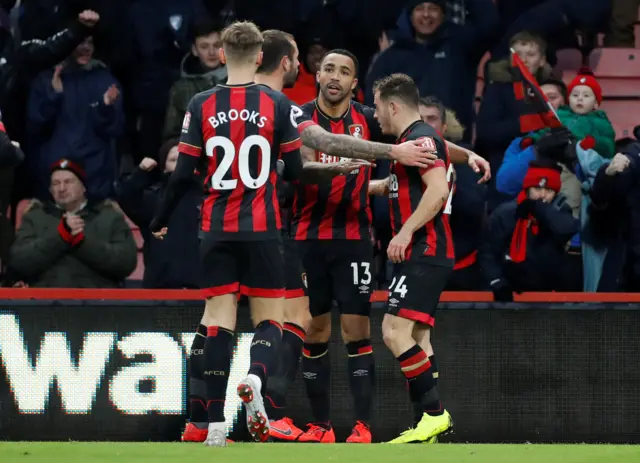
(111, 365)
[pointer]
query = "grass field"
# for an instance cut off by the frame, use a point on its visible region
(71, 452)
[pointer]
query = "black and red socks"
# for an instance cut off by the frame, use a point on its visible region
(316, 372)
(197, 386)
(416, 367)
(217, 364)
(290, 351)
(265, 348)
(361, 377)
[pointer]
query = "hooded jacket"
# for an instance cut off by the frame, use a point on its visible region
(193, 80)
(445, 66)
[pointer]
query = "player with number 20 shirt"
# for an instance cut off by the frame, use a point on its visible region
(241, 130)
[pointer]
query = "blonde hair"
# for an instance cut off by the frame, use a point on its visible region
(455, 130)
(241, 41)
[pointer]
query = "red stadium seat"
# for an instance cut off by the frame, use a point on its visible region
(569, 59)
(137, 235)
(624, 115)
(617, 71)
(20, 209)
(138, 273)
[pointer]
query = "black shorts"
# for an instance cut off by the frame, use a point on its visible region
(338, 270)
(251, 268)
(415, 291)
(296, 279)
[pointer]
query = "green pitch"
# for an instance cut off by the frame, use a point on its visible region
(53, 452)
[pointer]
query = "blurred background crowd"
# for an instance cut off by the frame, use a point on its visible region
(97, 108)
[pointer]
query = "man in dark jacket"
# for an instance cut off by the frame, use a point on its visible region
(468, 206)
(440, 56)
(19, 65)
(201, 70)
(524, 245)
(76, 110)
(172, 263)
(70, 242)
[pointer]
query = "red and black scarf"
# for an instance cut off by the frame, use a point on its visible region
(536, 177)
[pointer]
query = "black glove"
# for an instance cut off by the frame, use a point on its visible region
(553, 144)
(525, 208)
(502, 292)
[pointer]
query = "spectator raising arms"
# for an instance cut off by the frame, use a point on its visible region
(76, 108)
(72, 242)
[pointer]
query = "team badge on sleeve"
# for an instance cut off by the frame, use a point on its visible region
(429, 143)
(186, 121)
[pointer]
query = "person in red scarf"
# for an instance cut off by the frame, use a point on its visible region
(524, 245)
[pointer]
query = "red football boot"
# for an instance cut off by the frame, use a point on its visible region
(361, 434)
(194, 434)
(318, 434)
(284, 430)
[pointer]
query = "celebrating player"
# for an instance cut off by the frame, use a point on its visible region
(421, 249)
(331, 223)
(239, 129)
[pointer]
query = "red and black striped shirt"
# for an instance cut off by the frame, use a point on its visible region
(433, 243)
(336, 209)
(241, 131)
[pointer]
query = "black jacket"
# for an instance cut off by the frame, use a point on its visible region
(171, 263)
(545, 263)
(21, 63)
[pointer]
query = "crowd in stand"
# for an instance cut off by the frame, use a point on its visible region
(97, 110)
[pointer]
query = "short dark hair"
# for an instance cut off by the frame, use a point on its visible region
(529, 37)
(204, 28)
(561, 86)
(399, 86)
(277, 44)
(433, 102)
(348, 54)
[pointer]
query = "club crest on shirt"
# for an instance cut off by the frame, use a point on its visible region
(356, 130)
(304, 280)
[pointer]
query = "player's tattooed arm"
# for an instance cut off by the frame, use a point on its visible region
(316, 172)
(379, 187)
(410, 153)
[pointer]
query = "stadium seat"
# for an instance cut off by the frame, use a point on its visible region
(138, 273)
(617, 71)
(569, 59)
(137, 235)
(624, 115)
(20, 209)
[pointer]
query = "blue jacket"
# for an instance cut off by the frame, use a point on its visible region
(76, 123)
(446, 65)
(515, 164)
